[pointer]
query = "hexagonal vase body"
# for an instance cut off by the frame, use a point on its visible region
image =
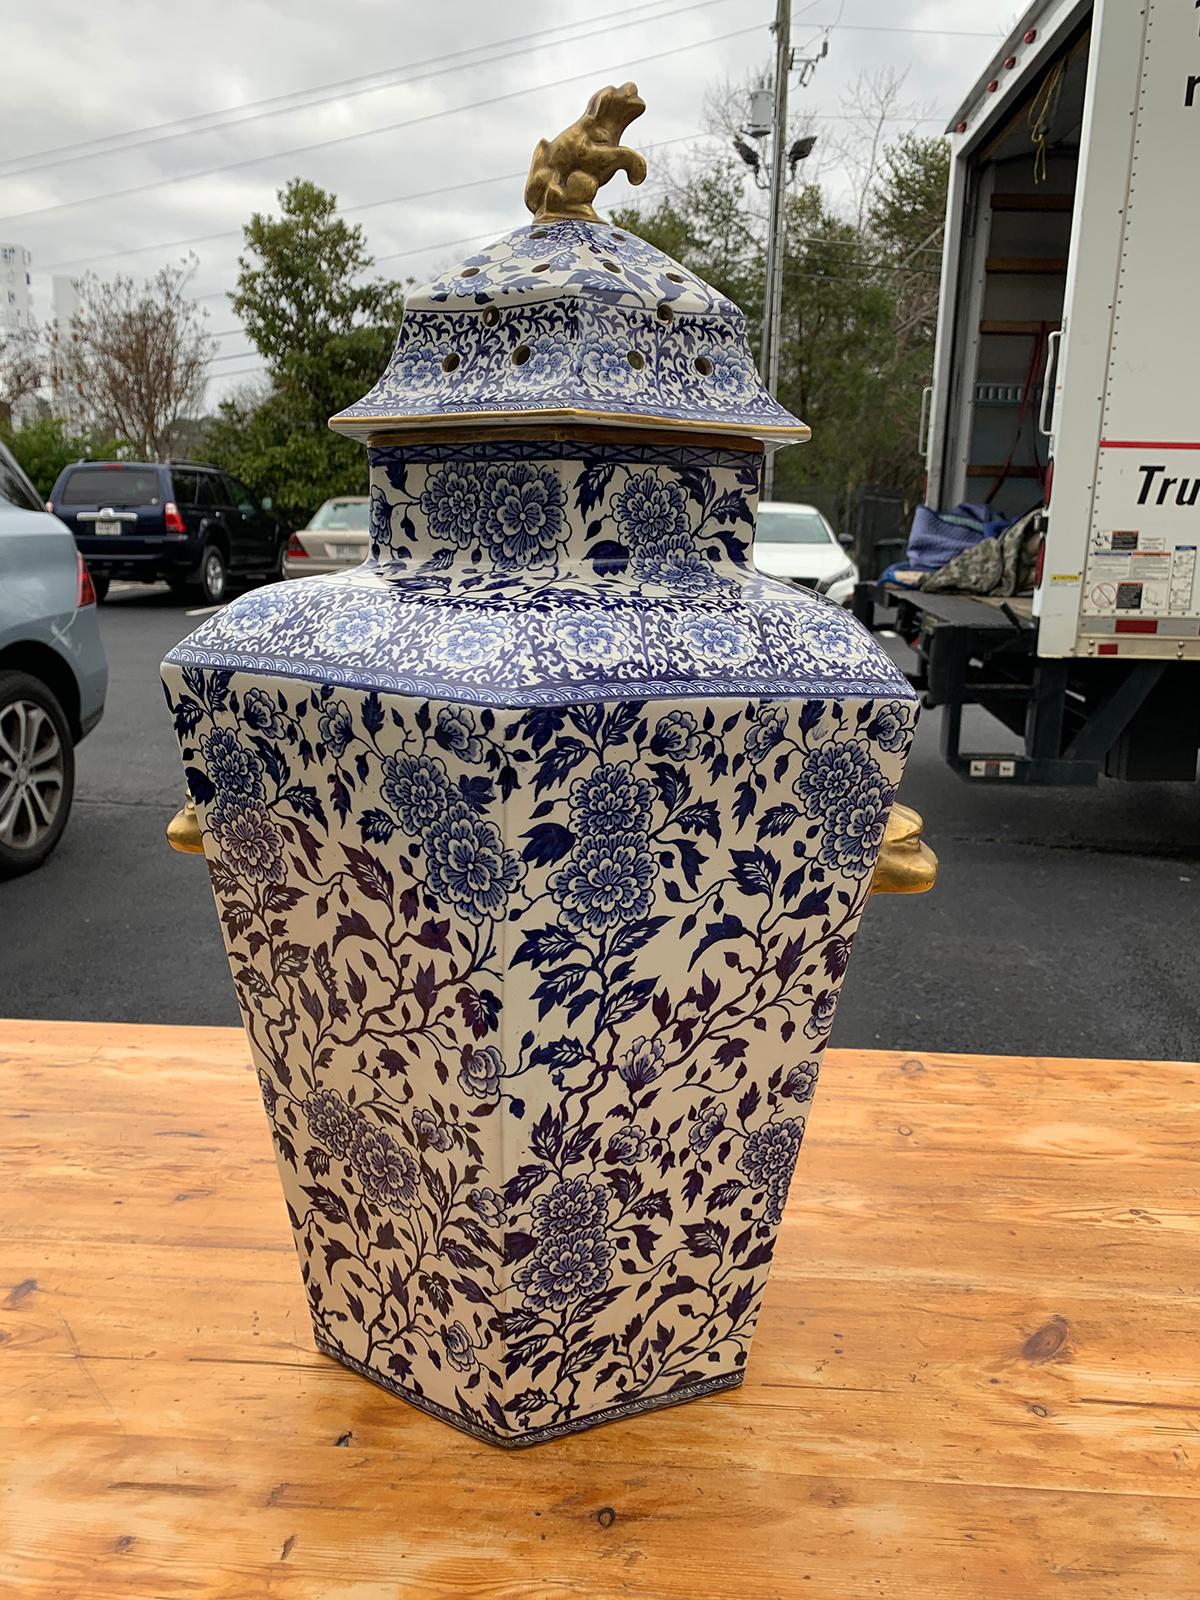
(539, 844)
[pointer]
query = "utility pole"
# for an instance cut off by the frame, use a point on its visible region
(773, 288)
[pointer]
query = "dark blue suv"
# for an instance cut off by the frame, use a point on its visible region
(192, 525)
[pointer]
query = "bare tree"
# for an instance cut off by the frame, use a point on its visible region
(136, 357)
(873, 114)
(22, 369)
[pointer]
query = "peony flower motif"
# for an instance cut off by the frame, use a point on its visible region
(768, 1157)
(549, 359)
(642, 1062)
(468, 867)
(676, 564)
(571, 1205)
(564, 1269)
(889, 727)
(488, 1206)
(764, 734)
(717, 640)
(352, 633)
(232, 768)
(677, 736)
(247, 617)
(469, 640)
(611, 802)
(595, 638)
(450, 504)
(732, 376)
(419, 367)
(522, 522)
(650, 510)
(854, 830)
(709, 1121)
(605, 882)
(251, 844)
(829, 638)
(460, 1352)
(629, 1145)
(481, 1071)
(831, 774)
(431, 1132)
(387, 1171)
(330, 1120)
(380, 518)
(456, 731)
(801, 1081)
(606, 366)
(269, 1092)
(417, 789)
(336, 726)
(821, 1020)
(260, 712)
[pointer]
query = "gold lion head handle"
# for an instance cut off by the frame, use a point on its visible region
(906, 864)
(567, 171)
(183, 830)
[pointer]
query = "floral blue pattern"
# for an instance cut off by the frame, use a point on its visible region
(577, 318)
(583, 925)
(594, 585)
(538, 844)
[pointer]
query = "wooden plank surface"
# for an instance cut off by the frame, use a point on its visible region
(977, 1372)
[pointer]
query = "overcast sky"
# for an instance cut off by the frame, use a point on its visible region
(112, 75)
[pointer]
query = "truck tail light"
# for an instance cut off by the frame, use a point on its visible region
(295, 549)
(1049, 483)
(172, 520)
(86, 595)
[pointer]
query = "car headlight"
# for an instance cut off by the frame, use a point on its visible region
(838, 577)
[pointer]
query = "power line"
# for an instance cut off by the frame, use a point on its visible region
(875, 27)
(348, 88)
(371, 133)
(344, 211)
(241, 372)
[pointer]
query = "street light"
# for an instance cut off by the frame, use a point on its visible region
(749, 155)
(800, 151)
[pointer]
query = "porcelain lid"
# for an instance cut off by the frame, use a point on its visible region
(572, 319)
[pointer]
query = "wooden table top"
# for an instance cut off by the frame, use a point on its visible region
(977, 1372)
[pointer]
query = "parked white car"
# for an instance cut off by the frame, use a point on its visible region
(796, 542)
(337, 537)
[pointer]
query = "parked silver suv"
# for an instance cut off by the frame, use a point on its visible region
(53, 674)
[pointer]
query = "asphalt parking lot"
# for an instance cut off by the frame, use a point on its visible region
(1064, 922)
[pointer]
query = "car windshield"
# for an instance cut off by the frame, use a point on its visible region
(792, 527)
(111, 486)
(343, 514)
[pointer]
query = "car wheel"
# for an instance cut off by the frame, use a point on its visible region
(37, 773)
(100, 583)
(214, 576)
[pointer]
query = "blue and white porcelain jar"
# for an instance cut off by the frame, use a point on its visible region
(539, 843)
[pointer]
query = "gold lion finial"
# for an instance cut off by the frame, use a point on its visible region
(567, 171)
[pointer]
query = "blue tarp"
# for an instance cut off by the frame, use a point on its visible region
(939, 536)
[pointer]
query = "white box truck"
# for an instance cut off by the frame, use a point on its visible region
(1067, 375)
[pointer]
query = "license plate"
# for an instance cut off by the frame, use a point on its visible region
(109, 528)
(347, 552)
